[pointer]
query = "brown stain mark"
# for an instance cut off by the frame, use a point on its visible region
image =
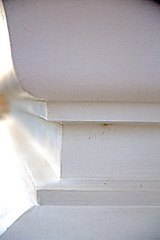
(105, 125)
(3, 104)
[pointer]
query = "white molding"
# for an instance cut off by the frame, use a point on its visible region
(95, 149)
(137, 197)
(100, 192)
(104, 112)
(51, 190)
(83, 124)
(100, 53)
(88, 111)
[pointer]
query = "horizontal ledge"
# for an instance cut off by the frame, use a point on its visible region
(101, 192)
(104, 184)
(104, 112)
(90, 111)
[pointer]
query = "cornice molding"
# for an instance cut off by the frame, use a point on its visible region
(86, 51)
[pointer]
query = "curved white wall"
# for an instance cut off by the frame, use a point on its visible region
(86, 50)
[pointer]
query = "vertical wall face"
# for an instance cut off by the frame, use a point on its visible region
(111, 150)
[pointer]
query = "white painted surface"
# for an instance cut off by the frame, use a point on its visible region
(96, 170)
(115, 150)
(86, 50)
(118, 209)
(103, 191)
(102, 112)
(30, 105)
(122, 202)
(37, 165)
(17, 192)
(112, 223)
(100, 192)
(88, 111)
(5, 56)
(8, 80)
(96, 149)
(46, 137)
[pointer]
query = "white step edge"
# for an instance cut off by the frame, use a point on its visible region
(89, 111)
(101, 192)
